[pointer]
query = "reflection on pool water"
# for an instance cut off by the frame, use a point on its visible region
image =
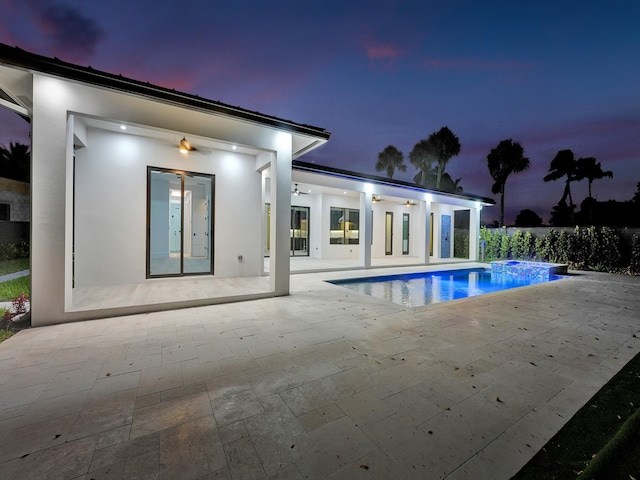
(424, 288)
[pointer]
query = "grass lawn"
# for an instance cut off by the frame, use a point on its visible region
(11, 289)
(11, 266)
(4, 334)
(602, 440)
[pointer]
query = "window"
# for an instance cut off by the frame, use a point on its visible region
(179, 226)
(5, 212)
(405, 234)
(388, 233)
(345, 226)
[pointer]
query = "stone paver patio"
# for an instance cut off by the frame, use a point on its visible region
(325, 383)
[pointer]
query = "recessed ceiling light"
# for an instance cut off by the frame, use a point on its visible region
(123, 127)
(234, 147)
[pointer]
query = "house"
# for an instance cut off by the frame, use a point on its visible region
(14, 210)
(144, 198)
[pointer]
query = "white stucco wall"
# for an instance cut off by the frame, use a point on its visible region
(330, 251)
(111, 207)
(379, 219)
(56, 103)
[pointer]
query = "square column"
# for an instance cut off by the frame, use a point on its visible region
(366, 226)
(281, 215)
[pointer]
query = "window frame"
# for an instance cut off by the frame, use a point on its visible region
(346, 238)
(183, 174)
(5, 212)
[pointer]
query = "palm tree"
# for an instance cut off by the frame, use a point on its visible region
(389, 159)
(448, 184)
(445, 145)
(563, 165)
(503, 160)
(423, 157)
(15, 161)
(590, 169)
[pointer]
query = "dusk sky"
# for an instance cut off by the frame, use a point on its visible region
(551, 75)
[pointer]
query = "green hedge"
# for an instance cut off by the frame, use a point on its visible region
(634, 264)
(585, 248)
(11, 251)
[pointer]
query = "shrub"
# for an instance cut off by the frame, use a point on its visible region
(605, 250)
(11, 251)
(593, 248)
(460, 243)
(634, 263)
(528, 246)
(19, 304)
(5, 318)
(8, 251)
(547, 247)
(492, 244)
(516, 245)
(580, 250)
(563, 247)
(522, 246)
(18, 307)
(505, 245)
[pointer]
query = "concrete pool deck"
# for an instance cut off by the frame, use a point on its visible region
(324, 383)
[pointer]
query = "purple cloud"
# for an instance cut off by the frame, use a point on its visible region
(382, 52)
(69, 34)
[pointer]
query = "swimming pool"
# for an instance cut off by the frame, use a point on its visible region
(425, 288)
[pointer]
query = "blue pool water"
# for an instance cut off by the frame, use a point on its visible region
(417, 289)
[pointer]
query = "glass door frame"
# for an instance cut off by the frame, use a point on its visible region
(292, 236)
(388, 233)
(182, 174)
(405, 233)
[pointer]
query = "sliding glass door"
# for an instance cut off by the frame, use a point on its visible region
(299, 231)
(405, 234)
(179, 223)
(388, 233)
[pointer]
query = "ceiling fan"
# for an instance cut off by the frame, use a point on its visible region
(185, 146)
(409, 203)
(376, 199)
(297, 192)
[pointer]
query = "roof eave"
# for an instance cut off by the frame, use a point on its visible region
(322, 169)
(53, 66)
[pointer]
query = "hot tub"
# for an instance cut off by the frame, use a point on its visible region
(526, 269)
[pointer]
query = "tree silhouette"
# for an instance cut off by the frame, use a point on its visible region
(563, 165)
(448, 184)
(389, 159)
(445, 145)
(15, 162)
(590, 169)
(562, 214)
(528, 218)
(431, 155)
(423, 157)
(503, 160)
(636, 196)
